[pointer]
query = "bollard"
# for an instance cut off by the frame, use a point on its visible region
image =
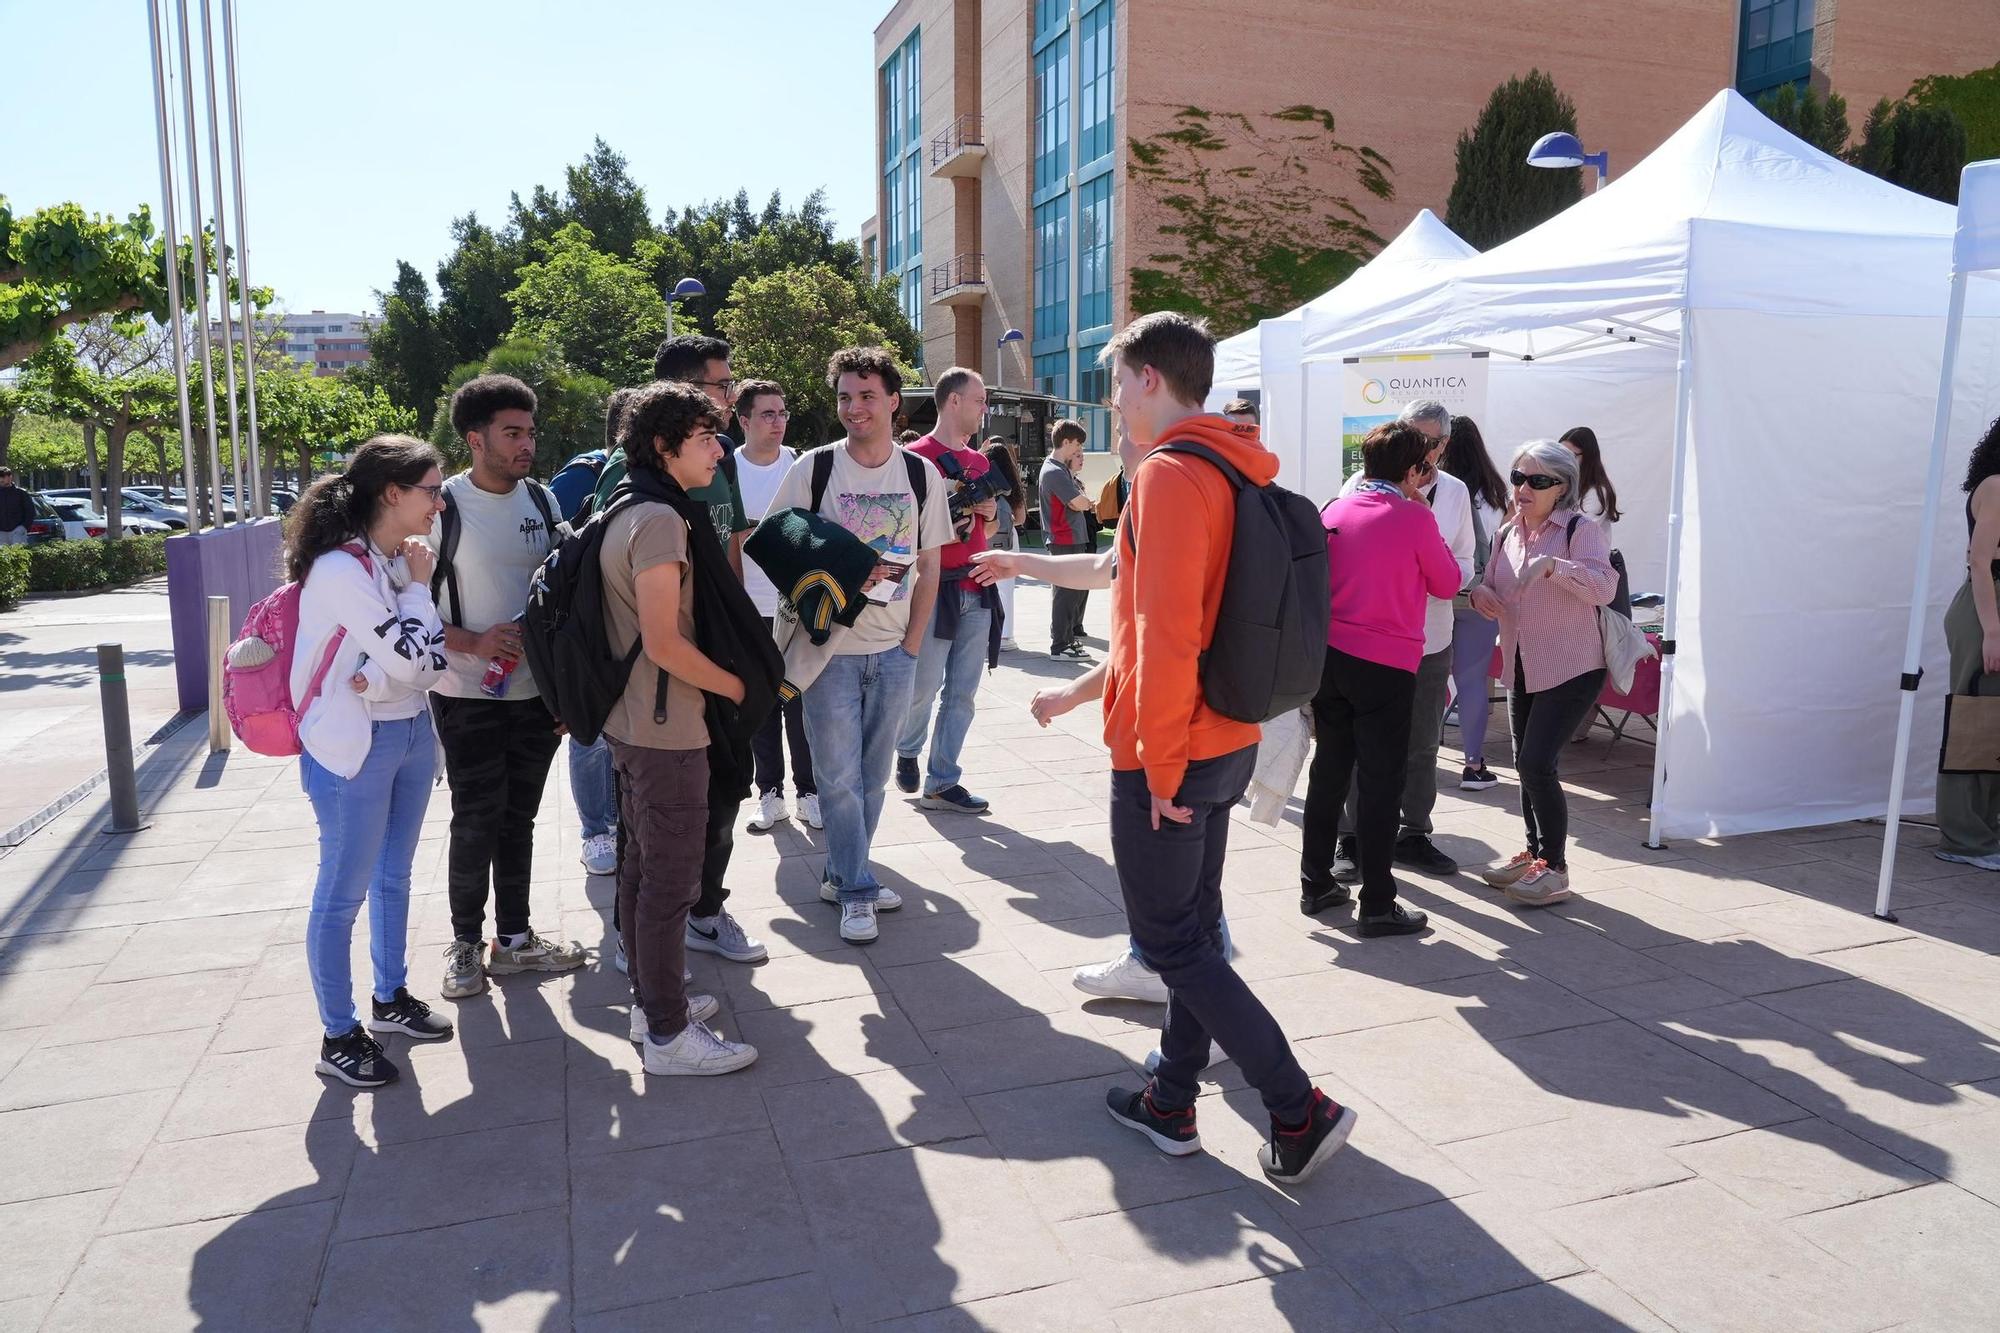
(117, 739)
(218, 648)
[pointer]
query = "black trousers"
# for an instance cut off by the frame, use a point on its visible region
(1361, 718)
(1171, 879)
(718, 846)
(496, 756)
(1543, 722)
(786, 725)
(1066, 614)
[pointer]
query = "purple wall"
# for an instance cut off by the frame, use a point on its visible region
(239, 562)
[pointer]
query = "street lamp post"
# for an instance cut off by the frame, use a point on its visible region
(1010, 336)
(1563, 149)
(684, 288)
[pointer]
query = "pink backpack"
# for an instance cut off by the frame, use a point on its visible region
(257, 672)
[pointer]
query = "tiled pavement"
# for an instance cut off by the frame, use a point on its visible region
(1712, 1093)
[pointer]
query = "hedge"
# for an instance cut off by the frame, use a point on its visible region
(80, 565)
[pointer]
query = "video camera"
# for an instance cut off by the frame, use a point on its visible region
(967, 490)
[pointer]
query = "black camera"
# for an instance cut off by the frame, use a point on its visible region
(967, 490)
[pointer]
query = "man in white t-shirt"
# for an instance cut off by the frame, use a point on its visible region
(856, 706)
(498, 736)
(761, 464)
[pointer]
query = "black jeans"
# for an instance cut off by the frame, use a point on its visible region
(1171, 879)
(1543, 723)
(496, 756)
(1066, 614)
(1361, 718)
(718, 846)
(786, 725)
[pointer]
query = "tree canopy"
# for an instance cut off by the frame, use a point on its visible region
(1921, 148)
(1975, 99)
(596, 311)
(569, 409)
(785, 326)
(1497, 195)
(61, 266)
(1820, 121)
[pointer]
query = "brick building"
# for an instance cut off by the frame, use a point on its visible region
(1003, 125)
(328, 343)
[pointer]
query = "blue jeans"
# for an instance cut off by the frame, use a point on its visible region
(853, 711)
(955, 664)
(1472, 640)
(590, 787)
(368, 830)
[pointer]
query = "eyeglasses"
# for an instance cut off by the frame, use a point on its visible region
(433, 491)
(772, 416)
(1540, 481)
(727, 386)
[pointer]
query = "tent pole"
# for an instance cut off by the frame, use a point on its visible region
(1676, 501)
(1913, 642)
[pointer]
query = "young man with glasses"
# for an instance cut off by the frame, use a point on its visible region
(761, 465)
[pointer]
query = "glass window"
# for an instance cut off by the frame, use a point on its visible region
(1093, 385)
(1052, 269)
(1805, 15)
(1052, 114)
(1052, 374)
(1050, 14)
(1760, 29)
(1093, 252)
(1094, 127)
(1783, 15)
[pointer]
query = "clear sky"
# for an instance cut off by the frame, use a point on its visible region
(370, 124)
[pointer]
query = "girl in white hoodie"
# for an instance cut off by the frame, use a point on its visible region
(355, 545)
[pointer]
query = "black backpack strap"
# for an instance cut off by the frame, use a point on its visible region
(660, 700)
(545, 501)
(913, 464)
(920, 483)
(822, 473)
(445, 575)
(1221, 464)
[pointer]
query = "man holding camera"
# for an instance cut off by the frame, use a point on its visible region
(965, 633)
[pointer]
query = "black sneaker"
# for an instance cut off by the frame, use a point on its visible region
(1347, 861)
(1075, 652)
(907, 777)
(355, 1058)
(1316, 895)
(1398, 920)
(1420, 853)
(410, 1016)
(1294, 1154)
(1172, 1132)
(1477, 779)
(955, 798)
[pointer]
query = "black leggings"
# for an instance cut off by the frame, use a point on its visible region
(1543, 723)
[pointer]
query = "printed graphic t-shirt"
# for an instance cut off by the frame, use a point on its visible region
(501, 542)
(876, 505)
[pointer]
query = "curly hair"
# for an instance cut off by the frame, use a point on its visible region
(877, 361)
(614, 412)
(338, 507)
(1985, 458)
(479, 400)
(664, 410)
(686, 357)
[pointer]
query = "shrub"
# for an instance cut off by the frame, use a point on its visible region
(91, 563)
(130, 559)
(1497, 195)
(13, 574)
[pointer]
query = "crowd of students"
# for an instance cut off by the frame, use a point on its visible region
(854, 632)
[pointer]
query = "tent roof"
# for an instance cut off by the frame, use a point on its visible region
(1730, 212)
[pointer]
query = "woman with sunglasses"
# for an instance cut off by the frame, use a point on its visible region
(1549, 571)
(370, 645)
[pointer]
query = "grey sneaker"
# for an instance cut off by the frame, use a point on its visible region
(463, 975)
(721, 934)
(536, 954)
(886, 898)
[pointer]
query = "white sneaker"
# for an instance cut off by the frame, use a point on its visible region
(886, 898)
(1989, 862)
(770, 809)
(857, 923)
(1215, 1057)
(701, 1008)
(600, 854)
(809, 810)
(1123, 978)
(720, 934)
(1007, 645)
(697, 1051)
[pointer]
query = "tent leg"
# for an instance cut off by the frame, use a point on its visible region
(1913, 641)
(1683, 401)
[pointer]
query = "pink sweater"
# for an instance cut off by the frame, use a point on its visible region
(1552, 622)
(1386, 556)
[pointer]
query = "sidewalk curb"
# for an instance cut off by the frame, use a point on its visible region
(33, 824)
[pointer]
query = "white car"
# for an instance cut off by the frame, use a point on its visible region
(81, 521)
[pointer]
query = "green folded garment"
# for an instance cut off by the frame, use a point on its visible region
(817, 565)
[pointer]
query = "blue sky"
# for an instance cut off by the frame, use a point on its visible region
(368, 125)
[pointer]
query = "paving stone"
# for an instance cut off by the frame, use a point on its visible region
(811, 1042)
(228, 1092)
(1699, 1258)
(439, 1182)
(51, 1150)
(1509, 1003)
(201, 945)
(1876, 1020)
(138, 1008)
(1439, 1079)
(60, 949)
(1654, 999)
(1581, 960)
(226, 1174)
(868, 1113)
(1583, 1303)
(806, 979)
(633, 1110)
(1802, 926)
(210, 1275)
(1441, 1254)
(36, 999)
(1020, 1052)
(1066, 944)
(1799, 1168)
(499, 1273)
(1969, 1149)
(1166, 1249)
(51, 1075)
(1303, 1301)
(1588, 1156)
(41, 1240)
(1639, 919)
(1933, 1246)
(1053, 895)
(783, 1305)
(121, 884)
(959, 992)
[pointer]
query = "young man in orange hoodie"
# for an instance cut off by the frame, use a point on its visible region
(1178, 766)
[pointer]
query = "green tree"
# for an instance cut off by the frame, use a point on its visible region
(597, 312)
(44, 444)
(1975, 99)
(407, 348)
(472, 311)
(784, 326)
(304, 418)
(1821, 122)
(1257, 225)
(113, 406)
(599, 195)
(61, 266)
(1921, 148)
(1497, 195)
(569, 409)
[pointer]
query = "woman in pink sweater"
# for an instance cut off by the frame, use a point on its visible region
(1387, 557)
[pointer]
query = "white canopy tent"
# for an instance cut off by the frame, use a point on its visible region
(1789, 309)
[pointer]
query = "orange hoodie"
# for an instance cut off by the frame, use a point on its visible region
(1173, 552)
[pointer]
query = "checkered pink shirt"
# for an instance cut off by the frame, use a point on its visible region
(1552, 622)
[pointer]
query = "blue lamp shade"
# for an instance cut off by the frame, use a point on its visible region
(1560, 149)
(1012, 336)
(689, 287)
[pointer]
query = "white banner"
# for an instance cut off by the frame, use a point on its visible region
(1376, 389)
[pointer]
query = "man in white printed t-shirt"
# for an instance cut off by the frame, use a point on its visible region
(854, 709)
(498, 736)
(761, 464)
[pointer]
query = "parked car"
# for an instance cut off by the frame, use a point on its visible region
(136, 505)
(47, 524)
(79, 520)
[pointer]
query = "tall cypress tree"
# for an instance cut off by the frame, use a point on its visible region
(1497, 195)
(1921, 148)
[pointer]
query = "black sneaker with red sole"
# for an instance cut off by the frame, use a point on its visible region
(1293, 1155)
(1172, 1132)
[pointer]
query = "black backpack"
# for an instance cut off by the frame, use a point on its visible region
(1277, 600)
(822, 474)
(564, 633)
(445, 574)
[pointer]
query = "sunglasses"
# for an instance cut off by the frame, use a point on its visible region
(1540, 481)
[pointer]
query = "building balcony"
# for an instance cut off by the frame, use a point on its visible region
(959, 149)
(960, 280)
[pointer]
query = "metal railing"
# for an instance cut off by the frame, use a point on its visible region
(961, 133)
(958, 271)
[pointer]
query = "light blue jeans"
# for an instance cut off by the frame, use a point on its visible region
(853, 712)
(368, 830)
(956, 665)
(590, 787)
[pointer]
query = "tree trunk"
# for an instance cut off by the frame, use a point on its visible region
(114, 487)
(6, 435)
(90, 465)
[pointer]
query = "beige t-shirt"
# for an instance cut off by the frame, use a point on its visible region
(639, 538)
